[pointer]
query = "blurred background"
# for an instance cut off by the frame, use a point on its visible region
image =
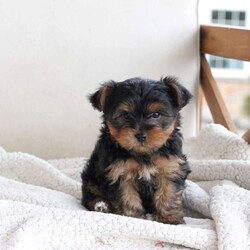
(232, 76)
(54, 53)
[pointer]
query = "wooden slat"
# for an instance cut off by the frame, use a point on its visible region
(213, 97)
(225, 42)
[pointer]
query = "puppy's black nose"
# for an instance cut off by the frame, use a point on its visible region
(141, 137)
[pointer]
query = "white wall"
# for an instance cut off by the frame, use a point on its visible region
(55, 52)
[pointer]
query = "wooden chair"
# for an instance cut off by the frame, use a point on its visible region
(225, 42)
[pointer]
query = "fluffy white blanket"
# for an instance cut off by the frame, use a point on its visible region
(40, 203)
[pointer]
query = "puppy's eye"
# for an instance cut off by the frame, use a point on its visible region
(126, 115)
(156, 115)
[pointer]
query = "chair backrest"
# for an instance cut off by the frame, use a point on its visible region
(54, 53)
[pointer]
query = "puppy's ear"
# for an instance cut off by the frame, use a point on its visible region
(181, 96)
(99, 98)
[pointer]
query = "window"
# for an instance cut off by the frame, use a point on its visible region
(226, 17)
(237, 18)
(223, 63)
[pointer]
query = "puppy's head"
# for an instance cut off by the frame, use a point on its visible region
(141, 114)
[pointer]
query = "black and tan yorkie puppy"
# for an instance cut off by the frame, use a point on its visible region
(137, 166)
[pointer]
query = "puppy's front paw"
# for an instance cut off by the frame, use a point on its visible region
(137, 213)
(102, 206)
(170, 219)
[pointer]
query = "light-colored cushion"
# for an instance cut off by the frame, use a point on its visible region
(54, 53)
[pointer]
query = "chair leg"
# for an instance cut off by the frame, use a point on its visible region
(246, 136)
(213, 97)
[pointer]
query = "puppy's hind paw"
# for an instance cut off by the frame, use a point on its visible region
(101, 206)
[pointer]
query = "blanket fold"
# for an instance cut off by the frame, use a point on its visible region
(40, 203)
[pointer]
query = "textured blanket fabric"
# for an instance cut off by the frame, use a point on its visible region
(40, 203)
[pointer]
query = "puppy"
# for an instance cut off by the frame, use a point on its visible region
(137, 166)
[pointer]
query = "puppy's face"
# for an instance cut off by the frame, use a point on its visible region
(141, 114)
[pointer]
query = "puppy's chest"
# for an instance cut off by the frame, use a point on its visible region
(137, 172)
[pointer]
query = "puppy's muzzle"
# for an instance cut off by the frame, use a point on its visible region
(141, 137)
